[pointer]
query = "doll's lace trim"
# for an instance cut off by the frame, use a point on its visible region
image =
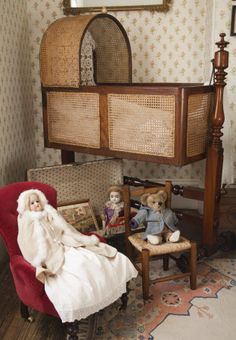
(72, 315)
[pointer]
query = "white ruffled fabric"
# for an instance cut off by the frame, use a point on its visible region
(88, 283)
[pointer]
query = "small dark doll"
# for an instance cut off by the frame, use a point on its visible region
(160, 220)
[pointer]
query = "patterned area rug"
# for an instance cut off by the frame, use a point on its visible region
(224, 266)
(177, 312)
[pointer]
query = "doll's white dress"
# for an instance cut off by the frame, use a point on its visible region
(87, 283)
(80, 278)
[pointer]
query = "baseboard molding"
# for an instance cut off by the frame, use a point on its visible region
(231, 186)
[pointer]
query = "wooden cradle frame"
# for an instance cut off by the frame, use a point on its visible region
(179, 151)
(214, 154)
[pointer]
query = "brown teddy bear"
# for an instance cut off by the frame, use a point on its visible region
(161, 221)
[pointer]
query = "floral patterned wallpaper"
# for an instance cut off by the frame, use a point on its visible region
(172, 46)
(17, 147)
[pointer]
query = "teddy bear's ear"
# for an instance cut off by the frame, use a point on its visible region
(163, 195)
(144, 199)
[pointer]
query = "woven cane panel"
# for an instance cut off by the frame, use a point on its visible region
(59, 52)
(80, 182)
(73, 118)
(112, 53)
(143, 124)
(197, 123)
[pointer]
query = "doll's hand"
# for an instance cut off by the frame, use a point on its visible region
(133, 224)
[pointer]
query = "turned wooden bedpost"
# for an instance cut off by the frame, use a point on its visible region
(215, 151)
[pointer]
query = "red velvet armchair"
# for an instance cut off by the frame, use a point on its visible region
(29, 290)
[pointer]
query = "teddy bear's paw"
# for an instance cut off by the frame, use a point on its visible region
(175, 236)
(154, 239)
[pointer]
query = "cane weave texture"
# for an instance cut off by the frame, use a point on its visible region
(198, 123)
(113, 57)
(73, 118)
(164, 248)
(143, 124)
(81, 181)
(61, 50)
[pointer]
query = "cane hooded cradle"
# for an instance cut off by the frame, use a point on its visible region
(96, 116)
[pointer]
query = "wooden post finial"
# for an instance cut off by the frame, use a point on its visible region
(222, 43)
(221, 61)
(220, 64)
(215, 150)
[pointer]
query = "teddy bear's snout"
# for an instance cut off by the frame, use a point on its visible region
(158, 205)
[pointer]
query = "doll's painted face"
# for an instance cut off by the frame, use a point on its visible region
(34, 203)
(115, 197)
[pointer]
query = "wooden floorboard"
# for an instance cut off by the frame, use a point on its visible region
(13, 327)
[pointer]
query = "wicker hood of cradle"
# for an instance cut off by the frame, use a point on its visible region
(61, 50)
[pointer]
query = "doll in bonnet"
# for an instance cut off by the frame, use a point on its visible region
(80, 274)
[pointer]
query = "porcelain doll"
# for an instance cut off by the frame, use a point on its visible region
(81, 275)
(114, 211)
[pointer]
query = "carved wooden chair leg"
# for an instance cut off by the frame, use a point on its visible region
(124, 298)
(145, 273)
(72, 329)
(166, 261)
(193, 265)
(24, 311)
(129, 251)
(183, 262)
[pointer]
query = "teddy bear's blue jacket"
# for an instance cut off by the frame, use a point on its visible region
(155, 221)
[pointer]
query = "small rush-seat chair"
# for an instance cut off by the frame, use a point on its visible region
(29, 290)
(141, 252)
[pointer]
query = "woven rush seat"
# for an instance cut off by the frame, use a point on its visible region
(165, 248)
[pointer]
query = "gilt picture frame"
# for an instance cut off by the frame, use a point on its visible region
(80, 215)
(233, 21)
(76, 7)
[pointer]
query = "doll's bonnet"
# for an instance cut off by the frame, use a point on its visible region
(23, 200)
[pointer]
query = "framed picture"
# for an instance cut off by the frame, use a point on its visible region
(80, 215)
(233, 21)
(77, 6)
